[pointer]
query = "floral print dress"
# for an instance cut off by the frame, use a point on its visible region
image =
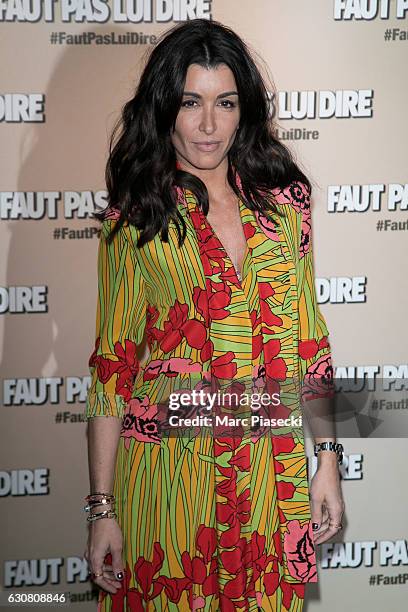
(209, 522)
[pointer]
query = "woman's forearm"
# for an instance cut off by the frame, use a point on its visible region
(103, 439)
(320, 416)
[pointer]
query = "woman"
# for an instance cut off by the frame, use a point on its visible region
(205, 254)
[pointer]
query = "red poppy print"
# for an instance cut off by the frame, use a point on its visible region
(176, 327)
(276, 366)
(308, 348)
(125, 366)
(224, 366)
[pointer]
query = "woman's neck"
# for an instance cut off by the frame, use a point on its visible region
(214, 179)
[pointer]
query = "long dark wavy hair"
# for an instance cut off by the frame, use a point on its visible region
(141, 171)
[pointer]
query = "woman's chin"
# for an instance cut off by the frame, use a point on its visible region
(206, 161)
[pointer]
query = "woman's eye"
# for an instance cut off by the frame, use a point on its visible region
(228, 103)
(188, 103)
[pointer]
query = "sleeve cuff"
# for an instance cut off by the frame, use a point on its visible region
(104, 404)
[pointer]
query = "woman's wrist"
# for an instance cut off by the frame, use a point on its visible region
(102, 507)
(325, 457)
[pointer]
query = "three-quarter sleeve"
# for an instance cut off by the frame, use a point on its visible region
(120, 320)
(315, 357)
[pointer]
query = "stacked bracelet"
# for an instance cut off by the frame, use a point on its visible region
(100, 499)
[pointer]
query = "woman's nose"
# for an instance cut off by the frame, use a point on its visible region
(208, 121)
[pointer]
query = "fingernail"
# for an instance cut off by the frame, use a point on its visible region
(119, 575)
(315, 526)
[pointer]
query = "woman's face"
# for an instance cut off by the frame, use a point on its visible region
(208, 117)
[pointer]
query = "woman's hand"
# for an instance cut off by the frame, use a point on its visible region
(105, 536)
(327, 505)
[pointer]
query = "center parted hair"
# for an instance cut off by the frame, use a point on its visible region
(141, 172)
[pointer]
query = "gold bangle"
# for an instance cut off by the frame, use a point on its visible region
(92, 496)
(103, 502)
(101, 515)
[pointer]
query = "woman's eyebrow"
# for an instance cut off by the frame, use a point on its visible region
(193, 94)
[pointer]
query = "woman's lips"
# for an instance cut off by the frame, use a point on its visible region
(202, 146)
